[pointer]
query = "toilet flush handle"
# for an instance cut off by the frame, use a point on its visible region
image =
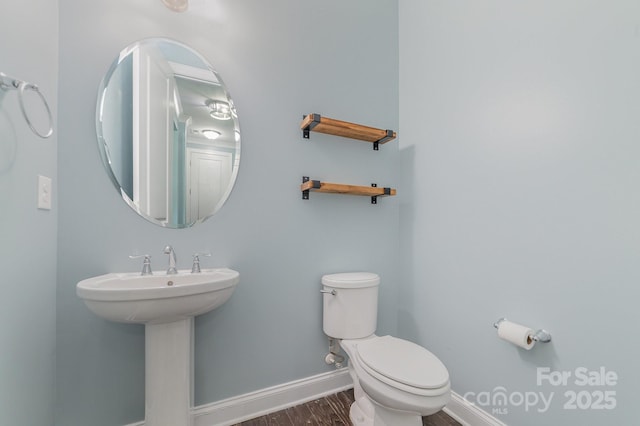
(331, 292)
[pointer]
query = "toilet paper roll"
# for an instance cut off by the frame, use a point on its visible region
(517, 334)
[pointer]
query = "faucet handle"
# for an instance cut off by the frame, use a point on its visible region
(195, 269)
(146, 263)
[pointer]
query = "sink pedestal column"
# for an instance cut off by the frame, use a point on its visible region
(169, 373)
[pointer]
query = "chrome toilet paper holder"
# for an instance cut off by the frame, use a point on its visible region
(540, 335)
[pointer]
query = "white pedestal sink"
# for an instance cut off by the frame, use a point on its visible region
(166, 305)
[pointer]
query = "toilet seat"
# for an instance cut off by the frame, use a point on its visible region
(403, 365)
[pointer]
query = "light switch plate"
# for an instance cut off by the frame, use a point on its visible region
(44, 192)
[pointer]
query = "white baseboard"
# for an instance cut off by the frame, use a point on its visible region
(237, 409)
(255, 404)
(468, 414)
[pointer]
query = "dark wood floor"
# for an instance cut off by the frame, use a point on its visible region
(330, 410)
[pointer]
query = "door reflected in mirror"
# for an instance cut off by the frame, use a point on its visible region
(168, 133)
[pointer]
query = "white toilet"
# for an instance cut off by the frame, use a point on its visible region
(396, 382)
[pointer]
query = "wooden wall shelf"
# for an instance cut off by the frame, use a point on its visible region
(372, 191)
(331, 126)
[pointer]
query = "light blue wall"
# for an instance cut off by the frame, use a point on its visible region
(28, 51)
(520, 130)
(280, 59)
(518, 195)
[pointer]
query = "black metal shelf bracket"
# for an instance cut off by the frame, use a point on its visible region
(315, 120)
(388, 137)
(315, 183)
(374, 198)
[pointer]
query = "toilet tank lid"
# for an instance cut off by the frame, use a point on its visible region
(351, 280)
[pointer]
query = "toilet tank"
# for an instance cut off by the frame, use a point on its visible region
(352, 312)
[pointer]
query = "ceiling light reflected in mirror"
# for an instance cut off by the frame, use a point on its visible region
(210, 134)
(219, 110)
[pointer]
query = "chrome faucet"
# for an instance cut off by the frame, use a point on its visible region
(172, 260)
(146, 265)
(195, 269)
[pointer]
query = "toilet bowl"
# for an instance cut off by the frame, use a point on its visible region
(397, 376)
(396, 382)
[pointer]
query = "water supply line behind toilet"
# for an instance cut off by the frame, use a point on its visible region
(334, 357)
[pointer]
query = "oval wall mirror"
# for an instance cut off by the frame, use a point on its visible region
(168, 133)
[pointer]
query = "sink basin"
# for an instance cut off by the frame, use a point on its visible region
(145, 299)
